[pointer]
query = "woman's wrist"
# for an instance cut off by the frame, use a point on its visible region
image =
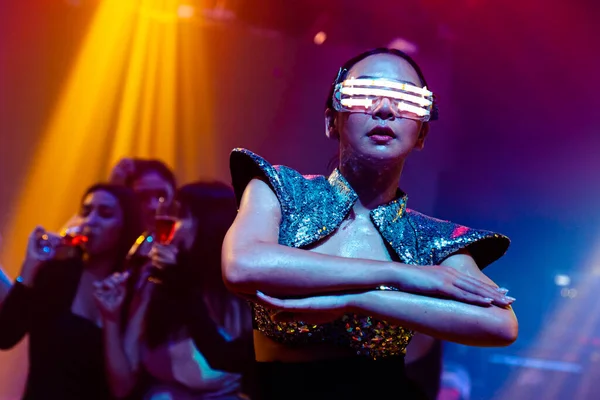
(27, 276)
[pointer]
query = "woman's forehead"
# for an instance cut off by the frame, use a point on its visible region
(100, 197)
(385, 66)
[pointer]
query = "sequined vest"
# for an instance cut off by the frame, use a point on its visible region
(313, 207)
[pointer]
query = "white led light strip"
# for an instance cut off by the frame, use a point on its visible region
(386, 83)
(354, 91)
(368, 103)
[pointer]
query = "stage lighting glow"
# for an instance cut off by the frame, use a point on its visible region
(134, 88)
(185, 11)
(562, 280)
(404, 46)
(320, 38)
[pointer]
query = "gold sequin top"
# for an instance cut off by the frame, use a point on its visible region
(313, 207)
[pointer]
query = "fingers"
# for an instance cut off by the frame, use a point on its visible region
(497, 294)
(106, 287)
(291, 305)
(477, 286)
(471, 298)
(100, 295)
(119, 278)
(269, 301)
(38, 232)
(307, 304)
(109, 284)
(36, 236)
(110, 292)
(483, 290)
(164, 254)
(42, 244)
(125, 276)
(113, 284)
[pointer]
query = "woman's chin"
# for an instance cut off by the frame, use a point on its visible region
(382, 156)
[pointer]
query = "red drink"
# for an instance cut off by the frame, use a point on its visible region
(165, 228)
(73, 240)
(73, 237)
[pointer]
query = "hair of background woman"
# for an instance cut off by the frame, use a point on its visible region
(144, 166)
(213, 206)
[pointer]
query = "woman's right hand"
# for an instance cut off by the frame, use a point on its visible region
(163, 255)
(110, 295)
(41, 247)
(447, 282)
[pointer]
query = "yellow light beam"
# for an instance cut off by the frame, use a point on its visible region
(68, 157)
(126, 95)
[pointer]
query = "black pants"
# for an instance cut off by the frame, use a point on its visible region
(344, 379)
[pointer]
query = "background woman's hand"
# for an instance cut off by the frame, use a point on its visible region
(163, 255)
(110, 295)
(41, 247)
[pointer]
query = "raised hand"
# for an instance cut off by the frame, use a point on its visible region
(41, 247)
(109, 295)
(163, 255)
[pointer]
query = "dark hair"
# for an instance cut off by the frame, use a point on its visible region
(146, 166)
(343, 73)
(213, 206)
(132, 217)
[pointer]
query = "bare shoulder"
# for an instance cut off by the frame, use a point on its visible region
(258, 217)
(258, 195)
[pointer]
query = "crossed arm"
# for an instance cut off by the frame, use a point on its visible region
(454, 301)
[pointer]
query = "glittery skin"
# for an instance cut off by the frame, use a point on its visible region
(313, 207)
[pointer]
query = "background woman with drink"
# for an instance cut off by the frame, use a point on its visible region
(188, 336)
(53, 300)
(167, 214)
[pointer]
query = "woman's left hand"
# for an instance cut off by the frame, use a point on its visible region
(312, 310)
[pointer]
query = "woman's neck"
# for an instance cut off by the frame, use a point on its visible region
(374, 184)
(98, 268)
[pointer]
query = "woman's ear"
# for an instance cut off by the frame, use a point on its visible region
(330, 125)
(422, 135)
